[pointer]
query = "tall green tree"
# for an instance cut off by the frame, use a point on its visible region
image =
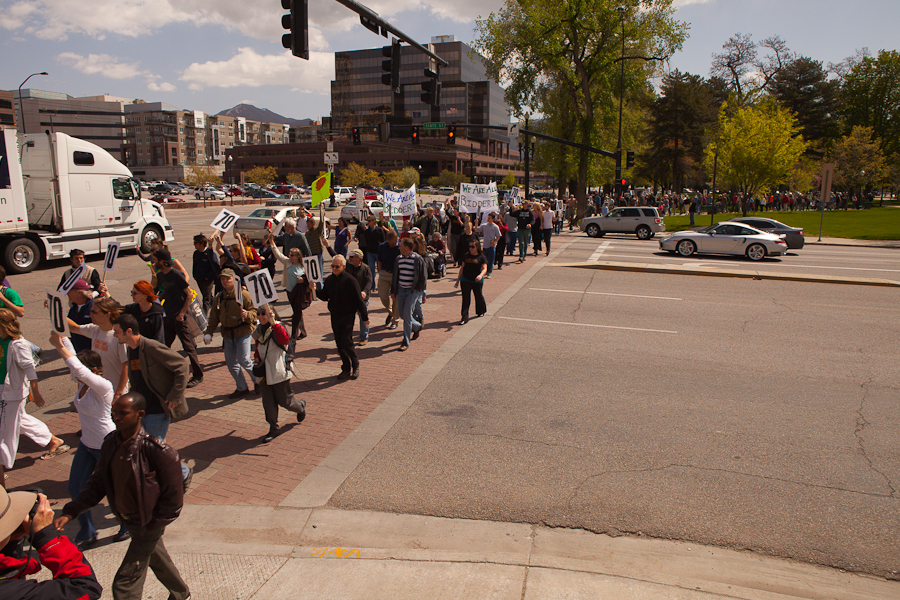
(758, 147)
(858, 161)
(572, 45)
(870, 97)
(803, 87)
(676, 129)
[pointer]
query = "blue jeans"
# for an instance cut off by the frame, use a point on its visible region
(490, 254)
(237, 355)
(363, 329)
(524, 239)
(157, 425)
(372, 258)
(407, 299)
(83, 463)
(511, 242)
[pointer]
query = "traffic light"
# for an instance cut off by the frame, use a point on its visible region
(356, 139)
(451, 134)
(297, 22)
(384, 132)
(415, 135)
(629, 159)
(392, 66)
(432, 88)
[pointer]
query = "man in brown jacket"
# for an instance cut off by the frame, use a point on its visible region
(234, 310)
(139, 475)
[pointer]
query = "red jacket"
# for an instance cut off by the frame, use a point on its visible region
(73, 577)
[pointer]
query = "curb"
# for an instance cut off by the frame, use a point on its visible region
(675, 270)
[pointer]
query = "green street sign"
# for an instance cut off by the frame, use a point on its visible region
(435, 125)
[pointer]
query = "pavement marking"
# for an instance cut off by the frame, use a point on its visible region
(599, 251)
(603, 294)
(588, 325)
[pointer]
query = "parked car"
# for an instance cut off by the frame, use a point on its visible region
(643, 221)
(265, 194)
(343, 194)
(163, 188)
(445, 191)
(209, 192)
(792, 235)
(166, 199)
(727, 237)
(350, 213)
(284, 190)
(292, 200)
(254, 225)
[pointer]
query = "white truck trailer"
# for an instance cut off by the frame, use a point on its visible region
(58, 193)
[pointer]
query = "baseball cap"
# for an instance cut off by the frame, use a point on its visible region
(357, 253)
(227, 273)
(82, 285)
(163, 254)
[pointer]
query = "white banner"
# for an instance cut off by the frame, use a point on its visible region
(401, 203)
(59, 307)
(514, 196)
(477, 197)
(261, 287)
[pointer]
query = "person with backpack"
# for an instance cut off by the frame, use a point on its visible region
(274, 371)
(237, 318)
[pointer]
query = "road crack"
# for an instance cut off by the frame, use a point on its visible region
(861, 424)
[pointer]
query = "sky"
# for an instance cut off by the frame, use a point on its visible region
(211, 55)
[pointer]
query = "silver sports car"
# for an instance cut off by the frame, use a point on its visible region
(727, 237)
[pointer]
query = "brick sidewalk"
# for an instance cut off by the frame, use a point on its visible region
(220, 437)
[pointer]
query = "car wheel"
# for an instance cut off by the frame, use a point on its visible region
(150, 233)
(21, 255)
(686, 247)
(756, 252)
(593, 230)
(643, 232)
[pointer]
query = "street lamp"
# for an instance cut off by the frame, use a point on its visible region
(21, 108)
(621, 11)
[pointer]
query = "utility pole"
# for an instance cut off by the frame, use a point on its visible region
(527, 161)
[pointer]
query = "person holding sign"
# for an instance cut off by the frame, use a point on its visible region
(19, 378)
(297, 285)
(275, 386)
(315, 239)
(176, 296)
(342, 293)
(113, 354)
(90, 274)
(237, 319)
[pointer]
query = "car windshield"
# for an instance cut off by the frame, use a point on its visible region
(265, 213)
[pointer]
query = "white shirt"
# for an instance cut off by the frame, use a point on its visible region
(112, 352)
(95, 405)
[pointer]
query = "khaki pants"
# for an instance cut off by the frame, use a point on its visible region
(384, 292)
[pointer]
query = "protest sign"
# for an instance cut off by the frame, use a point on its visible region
(477, 197)
(224, 221)
(401, 203)
(311, 267)
(261, 287)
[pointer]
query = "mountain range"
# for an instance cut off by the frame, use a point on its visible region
(248, 111)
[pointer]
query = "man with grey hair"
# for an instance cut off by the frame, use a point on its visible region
(341, 291)
(291, 238)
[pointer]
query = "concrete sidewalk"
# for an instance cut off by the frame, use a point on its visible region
(275, 553)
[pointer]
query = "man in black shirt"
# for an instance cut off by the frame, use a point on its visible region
(374, 238)
(206, 269)
(341, 291)
(363, 275)
(177, 295)
(524, 218)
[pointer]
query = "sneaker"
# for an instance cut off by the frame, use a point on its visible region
(122, 536)
(387, 321)
(487, 276)
(273, 433)
(194, 382)
(239, 393)
(343, 375)
(362, 342)
(404, 347)
(415, 334)
(301, 415)
(464, 321)
(355, 373)
(187, 480)
(392, 326)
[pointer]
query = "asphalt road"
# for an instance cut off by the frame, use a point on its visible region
(749, 414)
(882, 263)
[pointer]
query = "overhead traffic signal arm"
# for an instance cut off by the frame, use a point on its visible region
(297, 22)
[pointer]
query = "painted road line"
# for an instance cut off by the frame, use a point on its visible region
(603, 294)
(598, 252)
(588, 325)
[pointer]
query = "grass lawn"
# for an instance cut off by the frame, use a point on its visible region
(869, 224)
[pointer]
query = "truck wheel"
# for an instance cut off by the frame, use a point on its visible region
(150, 233)
(21, 256)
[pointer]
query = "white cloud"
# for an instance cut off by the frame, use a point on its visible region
(102, 64)
(682, 3)
(251, 69)
(160, 87)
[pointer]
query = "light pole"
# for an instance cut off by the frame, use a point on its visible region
(621, 11)
(21, 108)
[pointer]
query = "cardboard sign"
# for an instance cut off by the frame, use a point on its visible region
(311, 267)
(59, 308)
(66, 286)
(112, 253)
(402, 203)
(475, 198)
(225, 220)
(261, 287)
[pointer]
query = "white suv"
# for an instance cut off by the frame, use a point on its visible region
(643, 221)
(209, 193)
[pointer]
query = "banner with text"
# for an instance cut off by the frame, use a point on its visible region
(401, 203)
(475, 197)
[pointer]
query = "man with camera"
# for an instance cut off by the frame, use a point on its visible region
(28, 515)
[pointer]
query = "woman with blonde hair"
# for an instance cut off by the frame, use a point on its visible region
(298, 288)
(112, 352)
(19, 378)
